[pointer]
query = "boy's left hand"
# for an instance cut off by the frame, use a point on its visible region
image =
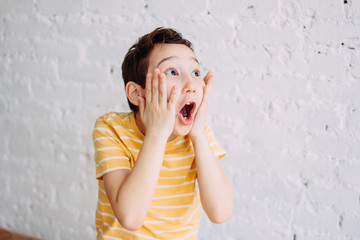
(198, 127)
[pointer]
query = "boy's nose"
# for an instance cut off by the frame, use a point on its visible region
(189, 85)
(190, 90)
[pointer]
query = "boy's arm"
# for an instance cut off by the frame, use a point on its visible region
(130, 192)
(216, 192)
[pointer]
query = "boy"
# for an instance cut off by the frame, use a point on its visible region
(148, 160)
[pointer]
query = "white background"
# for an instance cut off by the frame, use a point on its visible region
(285, 106)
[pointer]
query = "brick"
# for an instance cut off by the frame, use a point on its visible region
(57, 50)
(66, 93)
(322, 219)
(15, 46)
(314, 235)
(17, 90)
(253, 34)
(104, 95)
(315, 167)
(232, 8)
(60, 7)
(166, 8)
(350, 225)
(29, 28)
(113, 7)
(3, 70)
(326, 145)
(328, 32)
(82, 73)
(316, 118)
(216, 39)
(22, 146)
(11, 7)
(79, 30)
(333, 11)
(114, 53)
(351, 146)
(243, 63)
(330, 64)
(349, 174)
(337, 94)
(344, 200)
(3, 104)
(283, 55)
(353, 118)
(353, 7)
(33, 69)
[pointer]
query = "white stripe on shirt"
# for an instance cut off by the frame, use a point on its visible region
(102, 138)
(179, 158)
(112, 169)
(111, 158)
(178, 185)
(173, 177)
(174, 169)
(171, 207)
(108, 148)
(174, 196)
(104, 129)
(132, 139)
(175, 230)
(129, 129)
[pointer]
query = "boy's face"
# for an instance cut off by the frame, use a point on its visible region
(181, 69)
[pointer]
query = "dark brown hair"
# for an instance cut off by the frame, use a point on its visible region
(136, 61)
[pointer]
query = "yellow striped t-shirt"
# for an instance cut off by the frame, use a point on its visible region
(175, 209)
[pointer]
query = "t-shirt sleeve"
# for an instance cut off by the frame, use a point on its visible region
(110, 152)
(215, 145)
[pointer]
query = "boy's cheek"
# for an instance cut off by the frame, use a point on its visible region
(169, 90)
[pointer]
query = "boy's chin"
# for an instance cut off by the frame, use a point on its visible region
(181, 130)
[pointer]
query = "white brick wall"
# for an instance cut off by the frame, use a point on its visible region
(286, 106)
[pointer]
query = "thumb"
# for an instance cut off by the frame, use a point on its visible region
(174, 97)
(206, 95)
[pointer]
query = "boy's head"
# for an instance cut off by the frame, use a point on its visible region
(136, 62)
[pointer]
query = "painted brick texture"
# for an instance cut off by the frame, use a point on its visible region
(285, 106)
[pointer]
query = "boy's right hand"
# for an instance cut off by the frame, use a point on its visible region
(156, 112)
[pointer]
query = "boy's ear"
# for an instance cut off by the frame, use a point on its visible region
(133, 91)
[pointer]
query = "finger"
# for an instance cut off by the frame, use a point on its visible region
(207, 89)
(141, 105)
(206, 95)
(174, 97)
(155, 86)
(209, 83)
(208, 79)
(163, 90)
(148, 87)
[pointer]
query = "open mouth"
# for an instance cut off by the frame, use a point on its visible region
(186, 112)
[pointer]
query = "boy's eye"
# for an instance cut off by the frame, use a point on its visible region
(196, 73)
(172, 72)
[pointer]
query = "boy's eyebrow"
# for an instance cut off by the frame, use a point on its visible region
(171, 57)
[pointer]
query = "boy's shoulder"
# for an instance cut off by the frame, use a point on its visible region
(115, 116)
(113, 119)
(116, 124)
